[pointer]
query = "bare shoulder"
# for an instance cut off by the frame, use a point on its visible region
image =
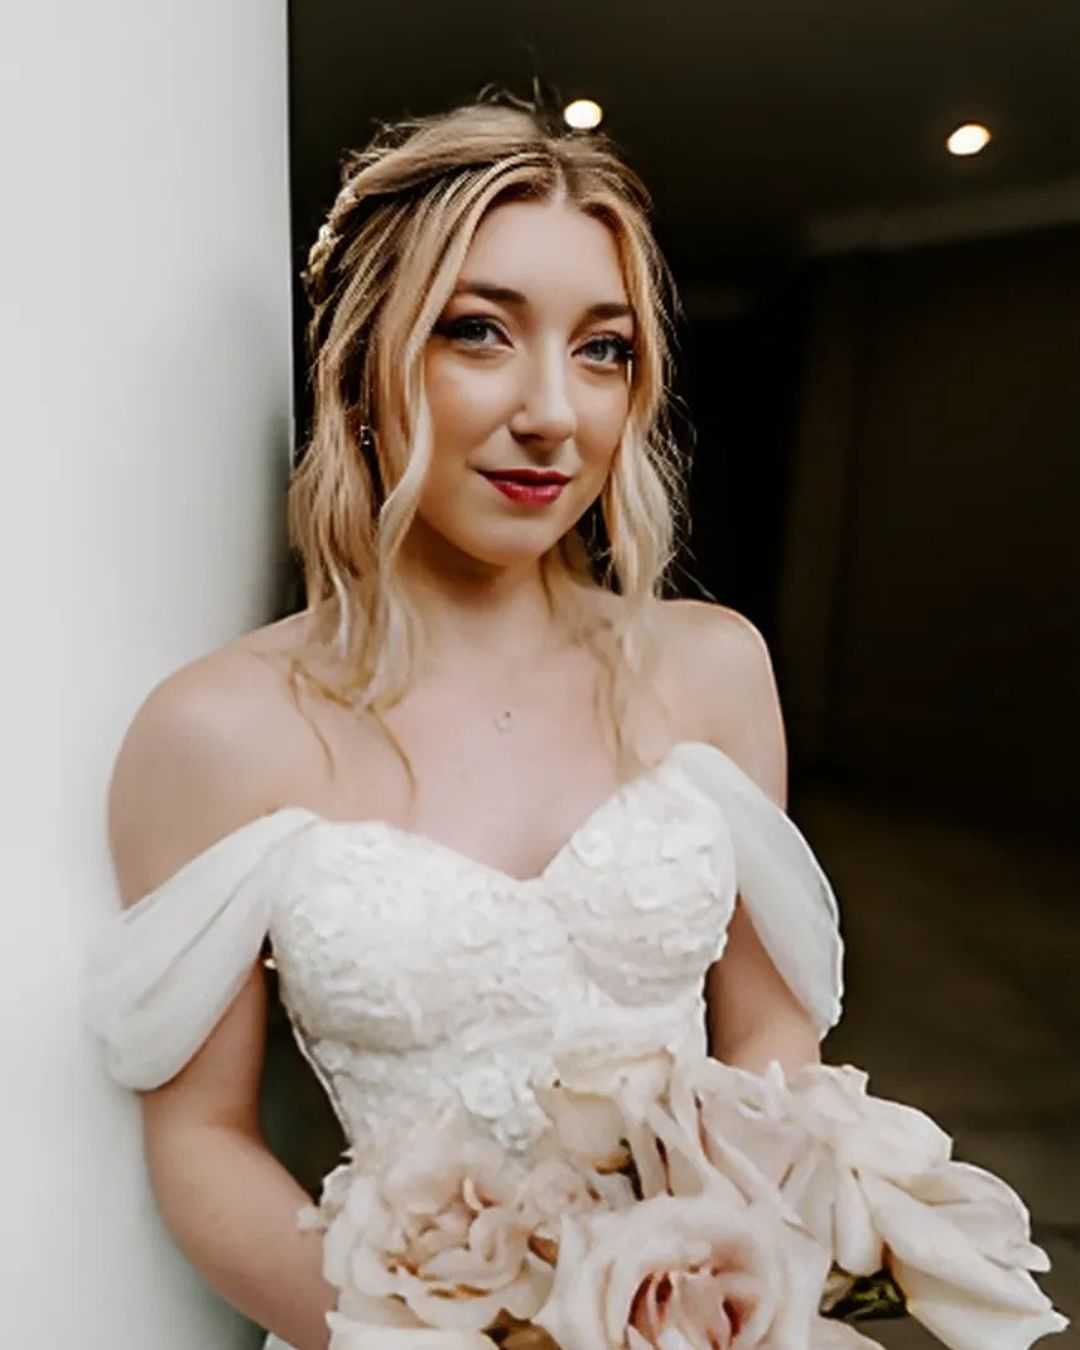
(204, 755)
(705, 626)
(719, 666)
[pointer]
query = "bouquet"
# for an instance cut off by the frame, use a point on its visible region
(677, 1203)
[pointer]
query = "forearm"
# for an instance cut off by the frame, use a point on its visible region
(794, 1044)
(232, 1207)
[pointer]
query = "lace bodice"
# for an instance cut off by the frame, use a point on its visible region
(414, 975)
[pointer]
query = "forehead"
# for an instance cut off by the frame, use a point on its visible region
(543, 247)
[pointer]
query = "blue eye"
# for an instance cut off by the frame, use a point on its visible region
(470, 329)
(620, 350)
(474, 330)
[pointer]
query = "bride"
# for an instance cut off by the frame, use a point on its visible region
(489, 792)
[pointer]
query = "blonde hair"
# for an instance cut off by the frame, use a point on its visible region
(378, 276)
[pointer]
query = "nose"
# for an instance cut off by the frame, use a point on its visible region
(545, 417)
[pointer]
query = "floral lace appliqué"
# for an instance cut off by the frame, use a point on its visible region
(415, 976)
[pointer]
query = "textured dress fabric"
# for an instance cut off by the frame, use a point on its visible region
(415, 976)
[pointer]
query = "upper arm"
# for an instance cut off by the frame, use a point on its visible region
(733, 692)
(180, 782)
(748, 1001)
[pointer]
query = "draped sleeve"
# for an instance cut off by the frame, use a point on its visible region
(782, 886)
(159, 975)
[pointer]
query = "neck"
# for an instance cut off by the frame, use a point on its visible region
(470, 608)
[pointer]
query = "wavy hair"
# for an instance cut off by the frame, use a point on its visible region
(377, 278)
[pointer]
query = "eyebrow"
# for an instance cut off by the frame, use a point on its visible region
(504, 295)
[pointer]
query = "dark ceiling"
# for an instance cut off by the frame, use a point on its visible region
(749, 121)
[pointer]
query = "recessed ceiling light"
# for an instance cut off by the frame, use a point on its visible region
(968, 139)
(583, 114)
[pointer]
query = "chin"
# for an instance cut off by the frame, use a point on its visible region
(485, 539)
(509, 557)
(515, 547)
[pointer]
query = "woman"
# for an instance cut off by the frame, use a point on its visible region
(488, 790)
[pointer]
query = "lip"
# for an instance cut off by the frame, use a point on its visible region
(531, 476)
(528, 490)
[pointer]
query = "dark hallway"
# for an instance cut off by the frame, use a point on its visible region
(961, 1000)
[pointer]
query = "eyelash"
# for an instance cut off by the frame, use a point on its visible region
(458, 328)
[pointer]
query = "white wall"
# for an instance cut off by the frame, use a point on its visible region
(145, 369)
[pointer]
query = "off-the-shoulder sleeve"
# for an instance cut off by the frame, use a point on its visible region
(159, 975)
(783, 887)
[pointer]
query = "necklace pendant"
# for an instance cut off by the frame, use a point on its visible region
(504, 720)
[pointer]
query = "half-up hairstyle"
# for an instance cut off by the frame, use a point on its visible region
(378, 276)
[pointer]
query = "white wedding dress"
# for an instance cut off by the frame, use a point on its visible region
(414, 975)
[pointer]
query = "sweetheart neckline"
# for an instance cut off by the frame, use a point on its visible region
(269, 824)
(664, 764)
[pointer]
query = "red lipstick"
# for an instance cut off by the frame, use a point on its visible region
(533, 487)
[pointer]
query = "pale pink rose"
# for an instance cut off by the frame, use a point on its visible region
(555, 1187)
(355, 1337)
(590, 1097)
(750, 1112)
(985, 1209)
(866, 1132)
(950, 1271)
(637, 1077)
(601, 1110)
(813, 1136)
(717, 1263)
(873, 1181)
(436, 1238)
(684, 1271)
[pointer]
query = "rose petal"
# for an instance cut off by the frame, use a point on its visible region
(963, 1322)
(856, 1244)
(698, 1313)
(673, 1339)
(376, 1312)
(811, 1192)
(896, 1140)
(585, 1124)
(572, 1314)
(752, 1113)
(523, 1297)
(986, 1209)
(805, 1264)
(631, 1080)
(616, 1192)
(867, 1132)
(658, 1243)
(924, 1241)
(346, 1335)
(688, 1170)
(706, 1249)
(651, 1168)
(495, 1252)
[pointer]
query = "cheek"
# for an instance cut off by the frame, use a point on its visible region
(602, 423)
(464, 404)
